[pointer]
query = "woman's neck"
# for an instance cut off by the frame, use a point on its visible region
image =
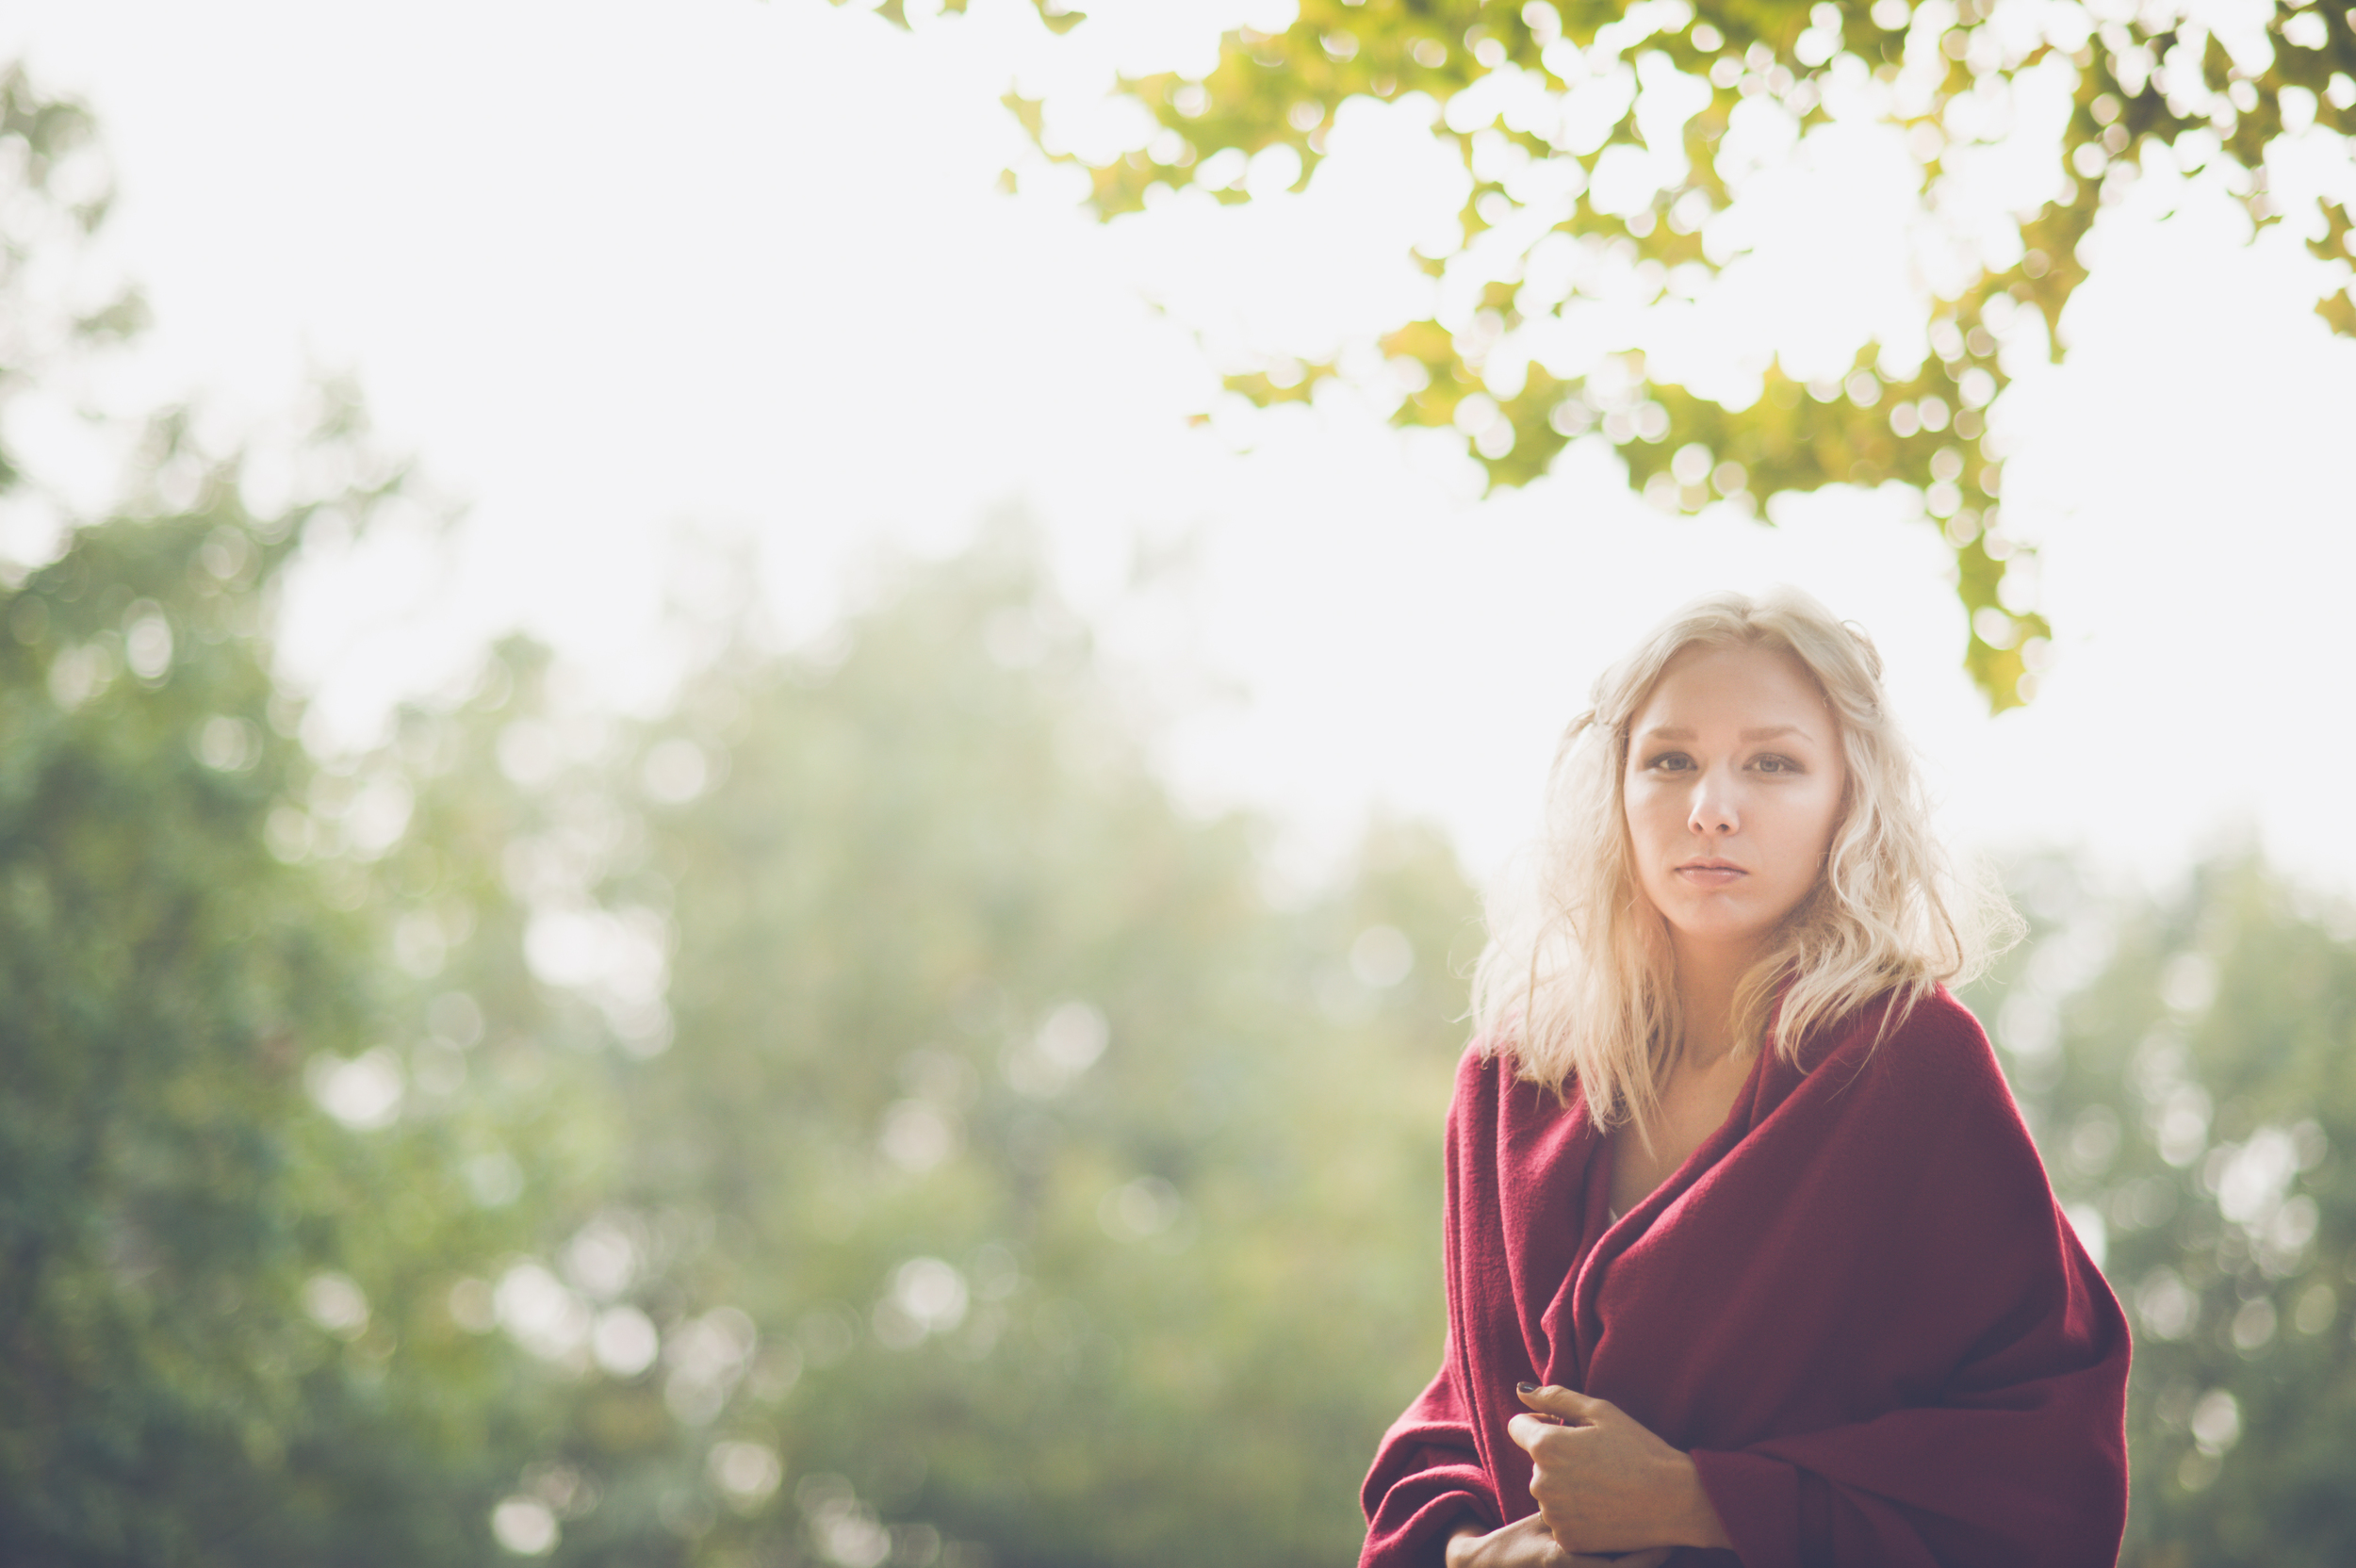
(1707, 979)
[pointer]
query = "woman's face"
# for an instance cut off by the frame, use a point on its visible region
(1733, 790)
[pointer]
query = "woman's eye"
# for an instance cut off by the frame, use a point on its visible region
(1777, 764)
(1670, 762)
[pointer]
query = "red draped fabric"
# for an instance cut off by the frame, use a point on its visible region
(1857, 1306)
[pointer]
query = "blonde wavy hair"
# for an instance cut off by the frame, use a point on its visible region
(1578, 982)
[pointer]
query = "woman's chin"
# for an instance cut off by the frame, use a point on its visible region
(1714, 926)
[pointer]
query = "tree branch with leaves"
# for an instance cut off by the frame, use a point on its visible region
(1613, 145)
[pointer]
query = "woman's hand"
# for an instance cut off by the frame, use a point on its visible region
(1603, 1483)
(1525, 1543)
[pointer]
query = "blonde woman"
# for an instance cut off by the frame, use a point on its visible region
(1749, 1256)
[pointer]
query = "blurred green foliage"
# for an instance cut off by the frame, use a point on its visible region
(204, 1286)
(2189, 1066)
(855, 1116)
(1535, 98)
(1058, 1172)
(209, 1289)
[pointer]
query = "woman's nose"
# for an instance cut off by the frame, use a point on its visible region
(1713, 810)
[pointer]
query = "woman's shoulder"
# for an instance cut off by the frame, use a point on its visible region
(1493, 1090)
(1929, 1029)
(1927, 1065)
(1487, 1065)
(1483, 1074)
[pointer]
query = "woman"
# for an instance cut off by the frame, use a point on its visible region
(1749, 1256)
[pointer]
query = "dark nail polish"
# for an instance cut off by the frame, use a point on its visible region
(1526, 1388)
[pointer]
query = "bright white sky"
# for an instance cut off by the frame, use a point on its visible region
(621, 273)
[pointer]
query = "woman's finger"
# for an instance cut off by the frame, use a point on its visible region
(1577, 1409)
(1525, 1431)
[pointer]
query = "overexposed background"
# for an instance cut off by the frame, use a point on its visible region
(623, 275)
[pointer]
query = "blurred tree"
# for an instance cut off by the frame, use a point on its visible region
(204, 1285)
(518, 1137)
(237, 1179)
(526, 1006)
(1033, 1182)
(2191, 1068)
(54, 294)
(1609, 147)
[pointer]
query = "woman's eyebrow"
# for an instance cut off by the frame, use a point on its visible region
(1678, 732)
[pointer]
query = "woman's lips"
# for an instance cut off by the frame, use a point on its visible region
(1708, 874)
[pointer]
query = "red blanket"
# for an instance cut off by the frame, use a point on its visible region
(1856, 1305)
